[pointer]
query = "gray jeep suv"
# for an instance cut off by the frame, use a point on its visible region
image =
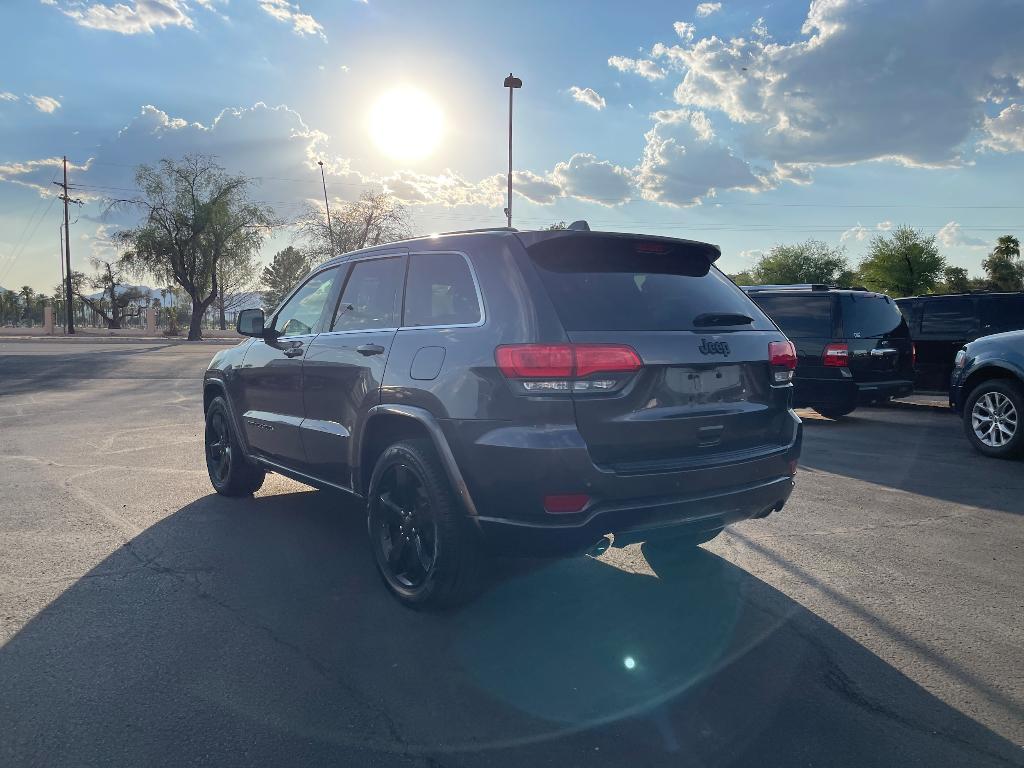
(513, 392)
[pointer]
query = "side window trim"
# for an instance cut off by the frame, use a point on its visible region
(476, 287)
(311, 276)
(349, 265)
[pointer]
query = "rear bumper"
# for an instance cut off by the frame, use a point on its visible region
(847, 392)
(509, 469)
(638, 520)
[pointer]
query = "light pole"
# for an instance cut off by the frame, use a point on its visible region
(511, 82)
(323, 178)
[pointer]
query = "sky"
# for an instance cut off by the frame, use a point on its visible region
(746, 124)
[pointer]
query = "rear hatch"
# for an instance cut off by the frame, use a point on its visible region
(704, 392)
(878, 337)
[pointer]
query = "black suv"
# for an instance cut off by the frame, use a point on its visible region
(853, 346)
(987, 389)
(941, 325)
(518, 392)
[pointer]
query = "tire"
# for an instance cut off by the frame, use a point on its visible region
(424, 548)
(835, 411)
(671, 556)
(231, 472)
(992, 416)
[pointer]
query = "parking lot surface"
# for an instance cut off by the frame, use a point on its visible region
(146, 621)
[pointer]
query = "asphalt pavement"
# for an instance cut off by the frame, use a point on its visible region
(144, 620)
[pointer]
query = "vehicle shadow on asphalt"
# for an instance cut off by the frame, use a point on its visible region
(922, 452)
(256, 631)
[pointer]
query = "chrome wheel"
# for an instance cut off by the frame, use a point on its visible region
(218, 447)
(405, 528)
(994, 419)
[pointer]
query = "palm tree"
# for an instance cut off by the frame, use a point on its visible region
(27, 293)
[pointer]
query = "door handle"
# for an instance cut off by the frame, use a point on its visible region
(293, 351)
(370, 349)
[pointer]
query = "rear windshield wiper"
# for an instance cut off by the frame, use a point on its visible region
(708, 319)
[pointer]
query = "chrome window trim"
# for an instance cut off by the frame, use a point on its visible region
(476, 287)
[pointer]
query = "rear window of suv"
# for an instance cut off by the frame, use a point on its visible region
(800, 316)
(869, 316)
(623, 284)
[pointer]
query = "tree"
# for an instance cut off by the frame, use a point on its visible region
(904, 263)
(809, 262)
(113, 305)
(1003, 266)
(373, 219)
(955, 280)
(742, 278)
(236, 282)
(281, 275)
(8, 307)
(27, 294)
(558, 225)
(195, 215)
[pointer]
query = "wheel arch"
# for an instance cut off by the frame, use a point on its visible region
(988, 372)
(213, 388)
(387, 424)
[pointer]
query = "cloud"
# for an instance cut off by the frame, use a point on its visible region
(643, 67)
(46, 104)
(951, 236)
(8, 96)
(132, 17)
(852, 90)
(1005, 132)
(287, 12)
(860, 232)
(706, 9)
(760, 28)
(683, 161)
(588, 96)
(685, 30)
(37, 174)
(585, 177)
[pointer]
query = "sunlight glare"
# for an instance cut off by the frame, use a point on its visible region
(406, 123)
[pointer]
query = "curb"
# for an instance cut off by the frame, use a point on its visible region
(912, 405)
(164, 340)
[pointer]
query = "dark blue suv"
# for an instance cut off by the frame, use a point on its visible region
(987, 389)
(513, 392)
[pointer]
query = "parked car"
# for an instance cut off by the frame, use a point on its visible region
(853, 346)
(987, 389)
(512, 392)
(941, 325)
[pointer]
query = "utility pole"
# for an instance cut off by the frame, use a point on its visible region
(511, 82)
(67, 248)
(327, 204)
(60, 232)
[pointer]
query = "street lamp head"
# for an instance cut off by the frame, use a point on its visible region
(513, 82)
(320, 163)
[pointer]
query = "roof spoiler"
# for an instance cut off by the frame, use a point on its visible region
(709, 251)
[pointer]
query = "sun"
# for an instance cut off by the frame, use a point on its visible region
(406, 124)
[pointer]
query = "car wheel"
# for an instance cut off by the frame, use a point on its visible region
(835, 412)
(992, 416)
(671, 556)
(423, 546)
(231, 472)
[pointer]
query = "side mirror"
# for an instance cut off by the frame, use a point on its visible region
(250, 322)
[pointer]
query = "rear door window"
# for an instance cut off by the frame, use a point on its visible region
(633, 285)
(870, 316)
(800, 316)
(954, 317)
(1002, 313)
(440, 291)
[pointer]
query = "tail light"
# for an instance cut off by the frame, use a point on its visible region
(565, 503)
(554, 368)
(836, 356)
(782, 358)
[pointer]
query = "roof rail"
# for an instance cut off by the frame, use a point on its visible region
(481, 229)
(791, 287)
